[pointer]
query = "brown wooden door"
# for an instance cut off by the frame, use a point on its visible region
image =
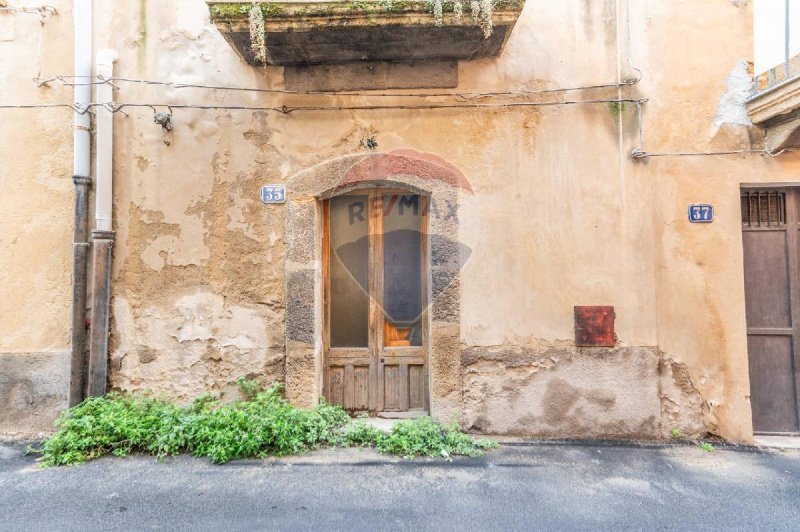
(770, 221)
(376, 270)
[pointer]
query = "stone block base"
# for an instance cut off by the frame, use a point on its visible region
(562, 392)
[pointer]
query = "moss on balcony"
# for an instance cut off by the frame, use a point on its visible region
(232, 11)
(300, 33)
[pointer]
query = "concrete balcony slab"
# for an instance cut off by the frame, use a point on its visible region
(333, 32)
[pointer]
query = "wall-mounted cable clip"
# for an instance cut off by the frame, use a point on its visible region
(164, 119)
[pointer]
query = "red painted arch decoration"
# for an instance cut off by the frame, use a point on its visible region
(385, 166)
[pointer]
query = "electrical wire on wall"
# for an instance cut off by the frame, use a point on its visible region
(43, 12)
(638, 71)
(463, 100)
(119, 107)
(644, 155)
(65, 80)
(637, 154)
(40, 10)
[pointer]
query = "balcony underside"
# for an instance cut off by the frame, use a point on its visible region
(313, 33)
(777, 110)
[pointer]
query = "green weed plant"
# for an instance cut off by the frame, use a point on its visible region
(264, 424)
(706, 446)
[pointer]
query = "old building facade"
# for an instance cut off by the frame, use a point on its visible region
(490, 218)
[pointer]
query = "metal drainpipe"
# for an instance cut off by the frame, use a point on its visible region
(101, 301)
(102, 235)
(82, 146)
(80, 254)
(787, 45)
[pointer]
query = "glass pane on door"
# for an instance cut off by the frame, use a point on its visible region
(402, 269)
(349, 275)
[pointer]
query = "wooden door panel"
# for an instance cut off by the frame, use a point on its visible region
(416, 387)
(402, 359)
(347, 378)
(772, 390)
(767, 280)
(336, 386)
(772, 302)
(337, 357)
(361, 388)
(391, 388)
(404, 387)
(348, 386)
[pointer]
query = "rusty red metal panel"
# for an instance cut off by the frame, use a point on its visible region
(594, 327)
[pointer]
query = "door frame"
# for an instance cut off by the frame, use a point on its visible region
(451, 199)
(792, 230)
(377, 353)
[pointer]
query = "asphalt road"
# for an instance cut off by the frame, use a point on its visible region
(518, 487)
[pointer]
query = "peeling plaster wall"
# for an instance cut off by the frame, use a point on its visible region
(206, 278)
(199, 296)
(201, 342)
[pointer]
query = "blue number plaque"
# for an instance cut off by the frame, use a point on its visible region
(701, 213)
(273, 194)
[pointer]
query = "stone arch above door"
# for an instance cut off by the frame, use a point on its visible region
(423, 173)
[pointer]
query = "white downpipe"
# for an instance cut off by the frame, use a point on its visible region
(104, 143)
(82, 138)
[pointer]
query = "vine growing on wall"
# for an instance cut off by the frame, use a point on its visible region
(485, 17)
(438, 13)
(258, 34)
(481, 13)
(458, 10)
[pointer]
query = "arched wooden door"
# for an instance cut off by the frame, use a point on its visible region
(376, 292)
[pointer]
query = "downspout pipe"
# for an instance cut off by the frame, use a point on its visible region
(104, 139)
(81, 176)
(102, 235)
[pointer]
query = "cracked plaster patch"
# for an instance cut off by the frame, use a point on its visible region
(732, 107)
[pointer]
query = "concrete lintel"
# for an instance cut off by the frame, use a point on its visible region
(372, 75)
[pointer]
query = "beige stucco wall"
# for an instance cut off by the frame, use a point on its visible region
(563, 216)
(700, 288)
(36, 226)
(35, 149)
